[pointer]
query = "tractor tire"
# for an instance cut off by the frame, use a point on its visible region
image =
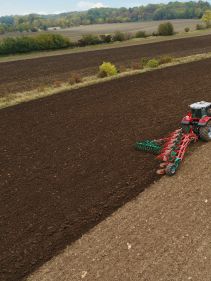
(170, 169)
(205, 132)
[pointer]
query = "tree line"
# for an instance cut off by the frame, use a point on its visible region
(172, 10)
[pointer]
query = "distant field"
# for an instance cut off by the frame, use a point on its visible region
(74, 33)
(150, 26)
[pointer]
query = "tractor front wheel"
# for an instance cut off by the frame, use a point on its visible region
(205, 132)
(171, 169)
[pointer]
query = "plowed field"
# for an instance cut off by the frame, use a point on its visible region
(67, 161)
(19, 76)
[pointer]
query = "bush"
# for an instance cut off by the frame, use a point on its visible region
(144, 62)
(153, 63)
(165, 59)
(118, 36)
(141, 34)
(51, 41)
(128, 36)
(166, 29)
(187, 29)
(107, 69)
(106, 38)
(75, 78)
(155, 33)
(200, 26)
(89, 39)
(34, 29)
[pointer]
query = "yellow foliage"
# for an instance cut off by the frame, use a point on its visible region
(108, 69)
(207, 17)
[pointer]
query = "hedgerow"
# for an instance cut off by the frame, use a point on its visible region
(26, 44)
(141, 34)
(89, 39)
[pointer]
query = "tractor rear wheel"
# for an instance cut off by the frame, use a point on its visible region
(171, 169)
(205, 132)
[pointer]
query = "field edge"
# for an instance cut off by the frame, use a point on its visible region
(18, 98)
(114, 45)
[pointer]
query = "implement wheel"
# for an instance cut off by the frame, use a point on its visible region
(171, 169)
(205, 132)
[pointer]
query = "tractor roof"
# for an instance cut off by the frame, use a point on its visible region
(200, 105)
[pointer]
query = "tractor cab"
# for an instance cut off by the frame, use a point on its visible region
(200, 109)
(198, 120)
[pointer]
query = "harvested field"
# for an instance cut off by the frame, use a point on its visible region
(20, 76)
(75, 33)
(67, 161)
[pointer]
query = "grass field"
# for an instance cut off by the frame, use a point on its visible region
(75, 33)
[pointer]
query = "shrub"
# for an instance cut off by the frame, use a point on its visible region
(165, 59)
(106, 38)
(141, 34)
(75, 78)
(89, 39)
(153, 63)
(155, 33)
(34, 29)
(51, 41)
(144, 62)
(2, 29)
(102, 74)
(166, 29)
(118, 36)
(128, 36)
(200, 26)
(187, 29)
(107, 69)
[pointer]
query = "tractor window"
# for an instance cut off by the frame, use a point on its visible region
(197, 113)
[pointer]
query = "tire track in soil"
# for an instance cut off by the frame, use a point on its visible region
(20, 76)
(67, 161)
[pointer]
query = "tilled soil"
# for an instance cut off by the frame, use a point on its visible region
(67, 161)
(19, 76)
(162, 235)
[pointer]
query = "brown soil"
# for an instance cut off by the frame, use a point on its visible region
(163, 235)
(25, 75)
(67, 161)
